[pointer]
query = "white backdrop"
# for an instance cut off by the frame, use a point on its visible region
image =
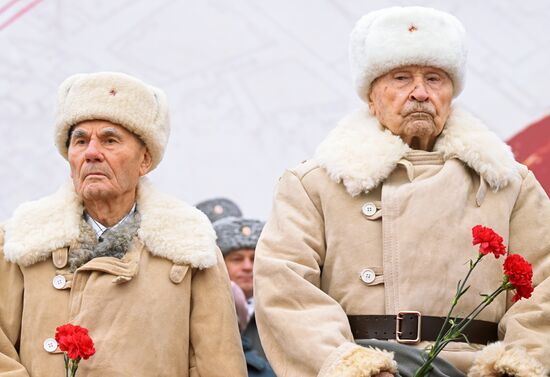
(253, 85)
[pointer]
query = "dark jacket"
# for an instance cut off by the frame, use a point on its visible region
(251, 332)
(256, 364)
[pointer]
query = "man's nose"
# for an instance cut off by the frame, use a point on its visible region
(248, 264)
(93, 152)
(419, 93)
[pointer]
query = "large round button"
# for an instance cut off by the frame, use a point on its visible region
(368, 209)
(59, 281)
(50, 344)
(368, 275)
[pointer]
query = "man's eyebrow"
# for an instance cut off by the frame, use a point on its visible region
(79, 132)
(110, 131)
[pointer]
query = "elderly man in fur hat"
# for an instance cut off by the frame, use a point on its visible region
(373, 233)
(139, 269)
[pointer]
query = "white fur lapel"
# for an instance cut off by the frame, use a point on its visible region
(361, 154)
(169, 228)
(39, 227)
(468, 139)
(174, 230)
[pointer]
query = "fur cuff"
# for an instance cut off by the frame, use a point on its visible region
(352, 360)
(495, 360)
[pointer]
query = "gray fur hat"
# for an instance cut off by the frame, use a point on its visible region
(236, 233)
(218, 208)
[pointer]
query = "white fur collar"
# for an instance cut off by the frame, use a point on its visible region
(169, 228)
(361, 154)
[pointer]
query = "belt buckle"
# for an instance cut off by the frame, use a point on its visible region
(398, 331)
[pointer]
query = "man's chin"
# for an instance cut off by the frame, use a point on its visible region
(245, 286)
(420, 127)
(95, 191)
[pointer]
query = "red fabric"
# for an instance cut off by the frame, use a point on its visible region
(531, 147)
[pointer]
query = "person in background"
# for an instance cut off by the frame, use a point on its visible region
(257, 364)
(237, 239)
(373, 233)
(218, 208)
(109, 252)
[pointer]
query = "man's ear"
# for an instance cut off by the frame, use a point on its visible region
(146, 163)
(370, 102)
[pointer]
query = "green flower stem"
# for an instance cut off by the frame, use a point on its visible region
(454, 332)
(474, 313)
(74, 367)
(425, 369)
(66, 359)
(459, 292)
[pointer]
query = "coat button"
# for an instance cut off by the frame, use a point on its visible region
(59, 282)
(50, 344)
(368, 275)
(369, 209)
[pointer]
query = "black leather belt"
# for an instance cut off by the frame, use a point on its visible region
(412, 327)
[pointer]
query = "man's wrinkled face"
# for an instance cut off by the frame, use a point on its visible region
(239, 265)
(106, 160)
(413, 102)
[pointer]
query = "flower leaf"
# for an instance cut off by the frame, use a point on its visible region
(460, 294)
(465, 338)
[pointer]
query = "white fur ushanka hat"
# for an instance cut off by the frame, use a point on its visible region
(398, 36)
(117, 98)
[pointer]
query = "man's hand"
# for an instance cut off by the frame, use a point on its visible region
(384, 374)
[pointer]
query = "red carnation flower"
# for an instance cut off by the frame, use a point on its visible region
(488, 240)
(75, 341)
(520, 275)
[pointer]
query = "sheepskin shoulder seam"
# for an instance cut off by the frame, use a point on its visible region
(303, 185)
(304, 168)
(523, 170)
